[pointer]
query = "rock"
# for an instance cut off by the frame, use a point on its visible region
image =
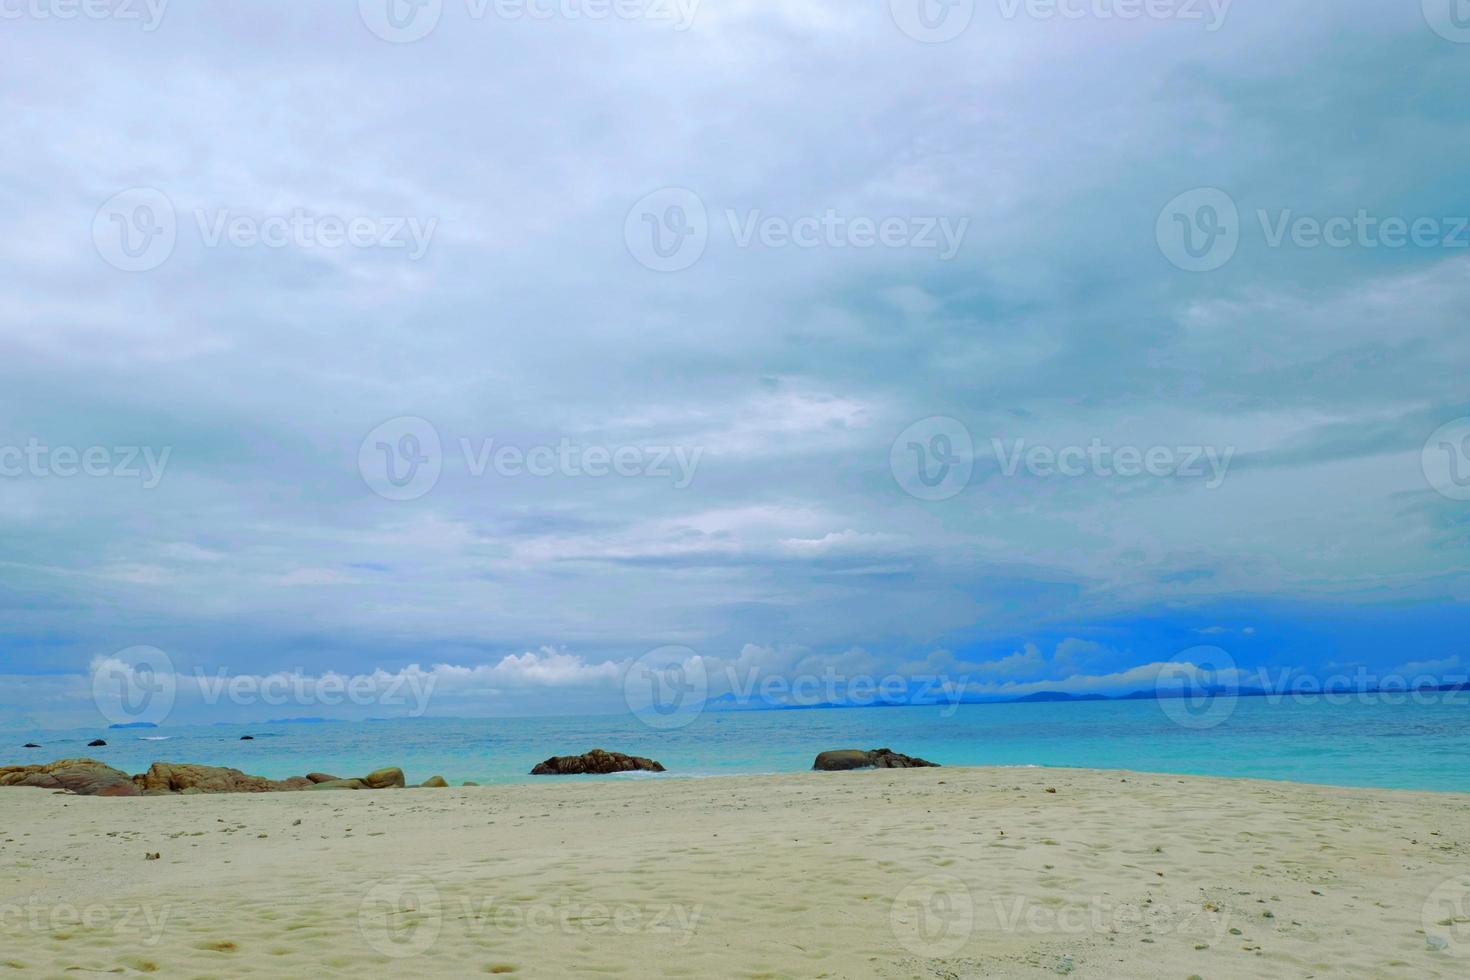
(247, 738)
(30, 745)
(88, 777)
(468, 783)
(340, 784)
(175, 777)
(434, 782)
(85, 777)
(152, 856)
(839, 760)
(95, 742)
(384, 779)
(597, 761)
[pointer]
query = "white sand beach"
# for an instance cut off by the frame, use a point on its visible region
(895, 874)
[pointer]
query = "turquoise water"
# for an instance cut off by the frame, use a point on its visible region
(1409, 746)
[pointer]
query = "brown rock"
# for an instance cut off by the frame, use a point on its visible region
(434, 782)
(597, 762)
(384, 779)
(176, 777)
(85, 777)
(340, 784)
(321, 777)
(839, 760)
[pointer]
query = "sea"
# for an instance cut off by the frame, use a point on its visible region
(1360, 741)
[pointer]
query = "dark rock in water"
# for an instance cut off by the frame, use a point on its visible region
(30, 745)
(596, 762)
(95, 742)
(85, 777)
(247, 738)
(843, 759)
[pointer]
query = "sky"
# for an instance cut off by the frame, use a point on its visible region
(491, 347)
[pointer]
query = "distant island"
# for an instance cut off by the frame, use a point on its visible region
(927, 697)
(135, 724)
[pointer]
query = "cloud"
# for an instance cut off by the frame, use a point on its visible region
(792, 370)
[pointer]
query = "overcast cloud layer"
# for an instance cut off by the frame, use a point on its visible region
(1009, 258)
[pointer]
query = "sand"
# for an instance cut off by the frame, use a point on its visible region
(917, 873)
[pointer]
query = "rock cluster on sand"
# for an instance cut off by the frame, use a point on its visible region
(175, 777)
(88, 777)
(841, 759)
(85, 777)
(595, 762)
